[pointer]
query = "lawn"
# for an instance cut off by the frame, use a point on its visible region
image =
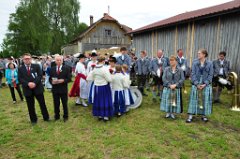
(142, 133)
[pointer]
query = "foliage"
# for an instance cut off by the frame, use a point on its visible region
(41, 26)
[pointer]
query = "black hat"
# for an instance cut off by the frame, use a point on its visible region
(81, 56)
(94, 54)
(112, 59)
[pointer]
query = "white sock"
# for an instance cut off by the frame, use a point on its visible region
(105, 118)
(190, 116)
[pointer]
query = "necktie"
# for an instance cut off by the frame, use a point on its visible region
(58, 70)
(28, 70)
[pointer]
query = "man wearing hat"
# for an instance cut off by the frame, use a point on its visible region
(79, 88)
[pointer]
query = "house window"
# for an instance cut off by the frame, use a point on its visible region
(108, 32)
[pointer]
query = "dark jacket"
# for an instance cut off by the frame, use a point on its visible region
(64, 74)
(34, 76)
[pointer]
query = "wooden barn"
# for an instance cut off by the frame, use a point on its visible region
(105, 33)
(215, 28)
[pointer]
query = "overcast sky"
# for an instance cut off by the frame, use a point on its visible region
(133, 13)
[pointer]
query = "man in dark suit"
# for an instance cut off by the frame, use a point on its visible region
(59, 78)
(30, 76)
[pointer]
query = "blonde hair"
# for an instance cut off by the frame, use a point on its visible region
(173, 57)
(101, 58)
(125, 67)
(118, 68)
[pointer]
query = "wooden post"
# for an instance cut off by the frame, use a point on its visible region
(218, 34)
(192, 43)
(152, 42)
(176, 38)
(188, 41)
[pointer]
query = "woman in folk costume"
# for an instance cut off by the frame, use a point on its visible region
(102, 102)
(118, 85)
(79, 88)
(173, 79)
(90, 66)
(201, 92)
(128, 95)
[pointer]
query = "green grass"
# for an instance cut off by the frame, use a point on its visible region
(142, 133)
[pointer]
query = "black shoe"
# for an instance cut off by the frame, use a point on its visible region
(47, 120)
(144, 94)
(56, 119)
(99, 119)
(77, 104)
(33, 122)
(216, 101)
(65, 119)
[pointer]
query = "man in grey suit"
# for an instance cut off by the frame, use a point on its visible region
(158, 65)
(221, 69)
(142, 68)
(124, 58)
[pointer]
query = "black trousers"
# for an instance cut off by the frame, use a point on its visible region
(31, 107)
(141, 82)
(13, 93)
(56, 100)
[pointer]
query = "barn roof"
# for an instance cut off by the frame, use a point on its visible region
(106, 17)
(188, 16)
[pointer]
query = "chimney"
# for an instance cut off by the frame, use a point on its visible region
(105, 14)
(91, 19)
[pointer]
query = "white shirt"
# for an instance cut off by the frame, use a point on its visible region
(60, 68)
(89, 66)
(100, 75)
(80, 68)
(118, 82)
(221, 68)
(127, 80)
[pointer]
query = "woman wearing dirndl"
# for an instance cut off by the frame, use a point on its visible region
(201, 93)
(118, 85)
(173, 79)
(79, 88)
(128, 95)
(102, 100)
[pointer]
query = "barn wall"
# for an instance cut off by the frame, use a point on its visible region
(215, 34)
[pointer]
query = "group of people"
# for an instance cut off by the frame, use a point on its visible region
(169, 74)
(104, 82)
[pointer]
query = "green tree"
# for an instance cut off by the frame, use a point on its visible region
(41, 26)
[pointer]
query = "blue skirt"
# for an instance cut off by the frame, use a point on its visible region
(102, 101)
(91, 94)
(201, 106)
(166, 103)
(119, 102)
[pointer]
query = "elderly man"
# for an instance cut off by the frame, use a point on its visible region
(30, 76)
(182, 61)
(157, 67)
(59, 78)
